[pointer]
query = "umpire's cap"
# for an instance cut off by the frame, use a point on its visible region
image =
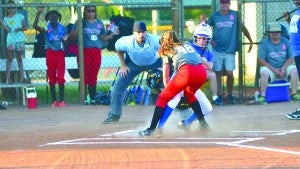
(139, 27)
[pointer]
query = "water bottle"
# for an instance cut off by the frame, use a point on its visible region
(88, 100)
(256, 96)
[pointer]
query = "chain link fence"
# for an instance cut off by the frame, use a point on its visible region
(159, 17)
(256, 15)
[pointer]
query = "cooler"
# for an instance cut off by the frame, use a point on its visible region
(278, 91)
(31, 97)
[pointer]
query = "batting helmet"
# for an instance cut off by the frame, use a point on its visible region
(202, 30)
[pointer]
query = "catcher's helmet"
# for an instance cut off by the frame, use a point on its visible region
(154, 79)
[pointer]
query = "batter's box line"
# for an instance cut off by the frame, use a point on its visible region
(261, 148)
(139, 140)
(271, 133)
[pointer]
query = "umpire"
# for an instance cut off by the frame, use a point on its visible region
(141, 55)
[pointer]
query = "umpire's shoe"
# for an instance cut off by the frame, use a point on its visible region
(112, 118)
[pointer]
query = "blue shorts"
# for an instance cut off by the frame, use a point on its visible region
(18, 46)
(223, 60)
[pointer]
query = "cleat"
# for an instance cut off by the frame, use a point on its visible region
(55, 104)
(232, 99)
(261, 100)
(147, 132)
(218, 102)
(294, 115)
(112, 119)
(62, 104)
(182, 126)
(295, 97)
(93, 102)
(203, 125)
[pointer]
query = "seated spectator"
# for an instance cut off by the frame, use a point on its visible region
(277, 62)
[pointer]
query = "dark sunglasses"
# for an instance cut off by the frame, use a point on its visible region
(91, 11)
(276, 32)
(11, 8)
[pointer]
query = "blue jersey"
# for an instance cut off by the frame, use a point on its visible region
(225, 31)
(54, 38)
(140, 55)
(208, 55)
(92, 32)
(295, 33)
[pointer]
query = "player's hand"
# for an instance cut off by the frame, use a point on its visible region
(123, 71)
(287, 16)
(250, 47)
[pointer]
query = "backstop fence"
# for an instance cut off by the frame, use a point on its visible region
(159, 16)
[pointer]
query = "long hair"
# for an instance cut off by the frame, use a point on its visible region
(85, 11)
(168, 41)
(10, 2)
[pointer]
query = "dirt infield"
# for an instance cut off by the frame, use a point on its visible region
(242, 136)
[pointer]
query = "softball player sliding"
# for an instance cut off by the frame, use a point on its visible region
(201, 38)
(190, 76)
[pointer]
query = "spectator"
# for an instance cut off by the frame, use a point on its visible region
(295, 41)
(15, 25)
(56, 36)
(140, 49)
(276, 60)
(190, 76)
(94, 35)
(225, 43)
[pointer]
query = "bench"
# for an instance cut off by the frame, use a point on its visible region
(39, 64)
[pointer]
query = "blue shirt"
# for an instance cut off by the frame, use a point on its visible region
(54, 38)
(140, 55)
(225, 31)
(92, 33)
(275, 54)
(208, 55)
(294, 33)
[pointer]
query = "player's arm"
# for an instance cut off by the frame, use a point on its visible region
(4, 26)
(36, 19)
(247, 34)
(166, 71)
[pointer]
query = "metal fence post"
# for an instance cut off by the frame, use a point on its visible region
(80, 51)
